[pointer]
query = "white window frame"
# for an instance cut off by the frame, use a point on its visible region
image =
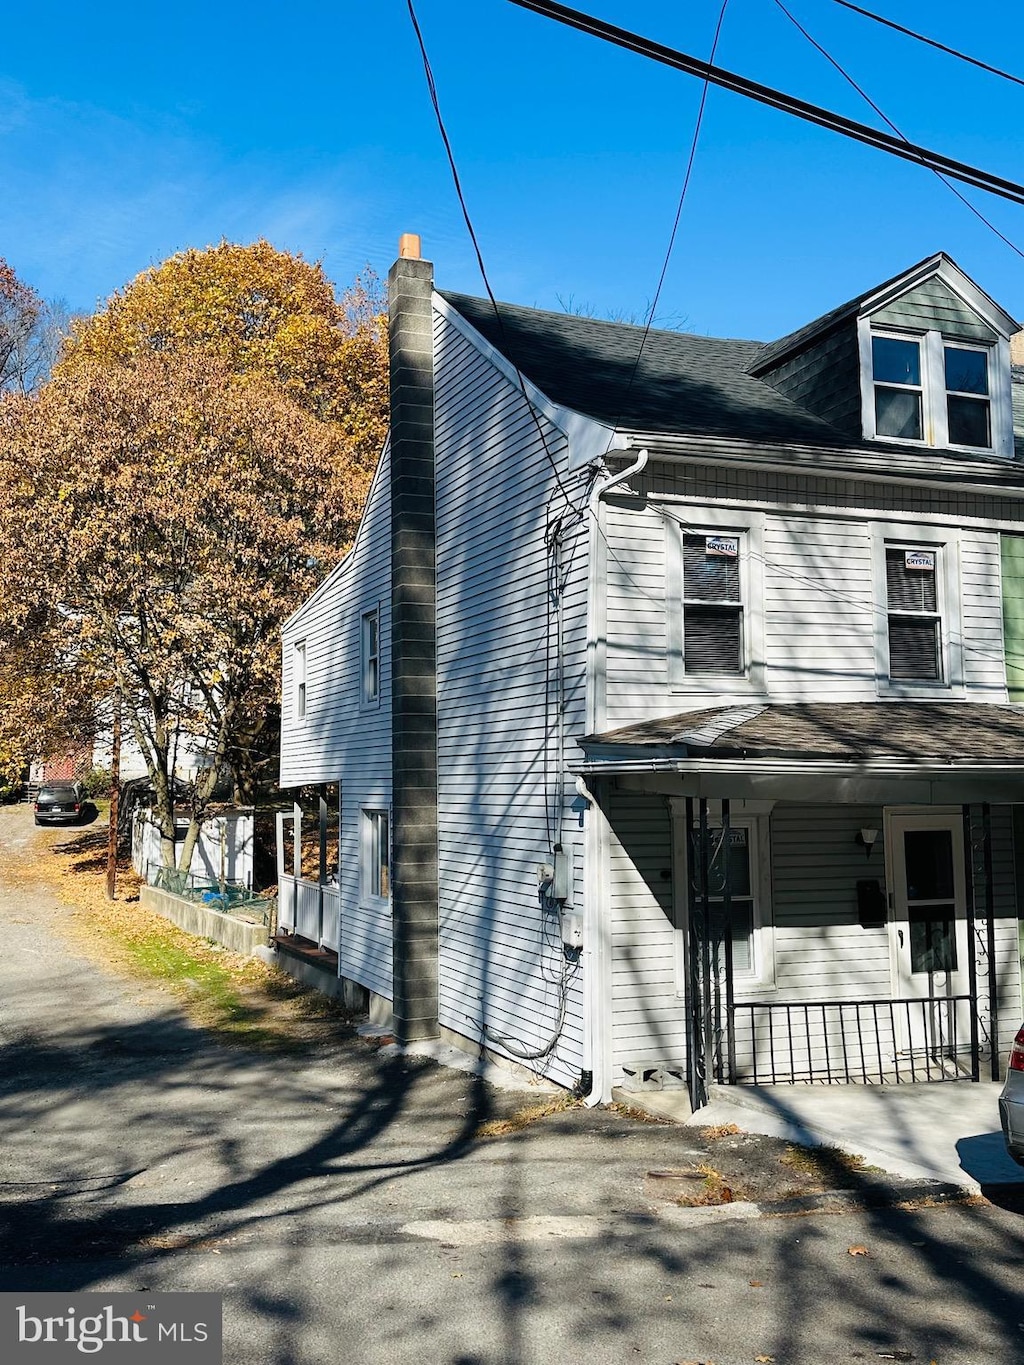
(754, 817)
(934, 416)
(945, 544)
(748, 527)
(369, 845)
(299, 684)
(369, 697)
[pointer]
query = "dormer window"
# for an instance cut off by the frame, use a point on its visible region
(896, 370)
(933, 390)
(968, 413)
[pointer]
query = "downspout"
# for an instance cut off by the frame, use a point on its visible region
(600, 489)
(597, 1043)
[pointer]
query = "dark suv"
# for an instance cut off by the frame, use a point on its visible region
(59, 803)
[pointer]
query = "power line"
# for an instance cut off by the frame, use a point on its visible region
(435, 102)
(675, 223)
(888, 121)
(932, 42)
(776, 99)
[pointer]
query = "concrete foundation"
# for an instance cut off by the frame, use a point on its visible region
(237, 934)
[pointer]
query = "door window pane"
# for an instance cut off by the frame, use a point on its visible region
(929, 864)
(932, 940)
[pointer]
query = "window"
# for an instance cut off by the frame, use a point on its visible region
(299, 679)
(376, 869)
(732, 854)
(968, 411)
(928, 389)
(744, 851)
(896, 369)
(914, 620)
(369, 653)
(712, 605)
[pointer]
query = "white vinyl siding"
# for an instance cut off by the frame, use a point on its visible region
(500, 956)
(824, 610)
(340, 741)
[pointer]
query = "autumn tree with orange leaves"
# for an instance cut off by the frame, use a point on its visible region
(197, 463)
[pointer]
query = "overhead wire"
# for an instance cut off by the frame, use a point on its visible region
(932, 42)
(457, 181)
(899, 133)
(775, 99)
(698, 124)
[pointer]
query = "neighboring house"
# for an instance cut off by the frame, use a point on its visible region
(642, 636)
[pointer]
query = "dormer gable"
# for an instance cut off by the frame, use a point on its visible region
(922, 360)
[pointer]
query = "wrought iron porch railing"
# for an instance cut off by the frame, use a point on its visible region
(870, 1042)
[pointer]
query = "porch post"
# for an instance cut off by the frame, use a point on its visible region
(972, 959)
(990, 938)
(296, 842)
(321, 876)
(730, 1039)
(694, 1042)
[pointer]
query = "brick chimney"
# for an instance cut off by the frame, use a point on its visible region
(414, 890)
(1017, 348)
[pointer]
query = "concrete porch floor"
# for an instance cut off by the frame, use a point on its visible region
(941, 1131)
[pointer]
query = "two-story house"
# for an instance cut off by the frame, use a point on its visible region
(671, 690)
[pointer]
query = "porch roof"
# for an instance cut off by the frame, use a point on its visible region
(891, 751)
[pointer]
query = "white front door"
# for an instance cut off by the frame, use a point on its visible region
(925, 853)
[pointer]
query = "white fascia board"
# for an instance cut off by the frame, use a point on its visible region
(588, 438)
(342, 565)
(941, 267)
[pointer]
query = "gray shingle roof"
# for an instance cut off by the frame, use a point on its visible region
(684, 383)
(854, 731)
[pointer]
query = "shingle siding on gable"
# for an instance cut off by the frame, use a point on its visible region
(825, 379)
(933, 305)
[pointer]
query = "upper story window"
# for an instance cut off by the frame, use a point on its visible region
(914, 619)
(712, 605)
(933, 390)
(715, 601)
(369, 654)
(299, 680)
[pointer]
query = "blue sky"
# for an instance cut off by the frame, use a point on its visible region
(129, 132)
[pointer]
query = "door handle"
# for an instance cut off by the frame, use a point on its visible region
(899, 933)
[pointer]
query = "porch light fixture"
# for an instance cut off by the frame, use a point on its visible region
(866, 838)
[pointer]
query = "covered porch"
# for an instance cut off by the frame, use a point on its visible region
(816, 893)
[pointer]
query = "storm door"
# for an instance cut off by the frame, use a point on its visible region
(929, 933)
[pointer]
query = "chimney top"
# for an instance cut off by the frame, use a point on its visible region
(1017, 348)
(409, 246)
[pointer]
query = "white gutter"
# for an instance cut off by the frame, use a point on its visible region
(600, 489)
